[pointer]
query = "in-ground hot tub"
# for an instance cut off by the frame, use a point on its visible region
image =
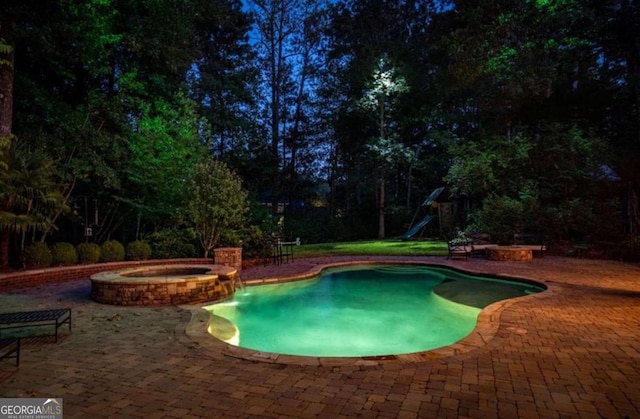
(164, 285)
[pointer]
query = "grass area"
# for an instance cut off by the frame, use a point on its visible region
(374, 247)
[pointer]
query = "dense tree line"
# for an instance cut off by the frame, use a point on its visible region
(346, 114)
(531, 102)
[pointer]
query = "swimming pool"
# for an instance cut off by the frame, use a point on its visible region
(366, 310)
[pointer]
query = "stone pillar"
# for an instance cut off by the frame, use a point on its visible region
(229, 256)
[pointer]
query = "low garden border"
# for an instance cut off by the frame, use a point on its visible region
(38, 277)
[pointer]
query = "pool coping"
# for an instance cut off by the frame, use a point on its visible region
(487, 326)
(124, 276)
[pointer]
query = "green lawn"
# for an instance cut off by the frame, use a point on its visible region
(374, 247)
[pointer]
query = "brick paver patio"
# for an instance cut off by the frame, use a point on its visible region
(573, 351)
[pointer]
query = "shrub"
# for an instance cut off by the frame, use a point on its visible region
(88, 252)
(501, 217)
(230, 239)
(64, 254)
(172, 243)
(111, 251)
(255, 243)
(138, 250)
(215, 203)
(37, 255)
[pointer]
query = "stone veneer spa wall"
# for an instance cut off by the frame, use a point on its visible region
(164, 285)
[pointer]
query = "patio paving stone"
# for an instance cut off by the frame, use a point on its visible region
(573, 351)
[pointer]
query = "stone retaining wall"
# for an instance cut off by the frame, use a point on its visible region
(39, 277)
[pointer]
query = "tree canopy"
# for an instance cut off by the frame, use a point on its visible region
(535, 103)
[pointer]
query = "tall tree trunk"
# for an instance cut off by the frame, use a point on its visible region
(381, 198)
(7, 28)
(275, 50)
(275, 131)
(275, 20)
(295, 132)
(631, 23)
(381, 232)
(5, 241)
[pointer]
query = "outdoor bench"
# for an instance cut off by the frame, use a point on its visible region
(533, 241)
(459, 248)
(480, 244)
(10, 348)
(28, 319)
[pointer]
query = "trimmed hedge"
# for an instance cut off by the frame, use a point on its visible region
(111, 251)
(88, 252)
(64, 254)
(138, 250)
(37, 255)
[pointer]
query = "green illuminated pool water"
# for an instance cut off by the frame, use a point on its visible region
(368, 310)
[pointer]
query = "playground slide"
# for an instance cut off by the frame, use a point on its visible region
(417, 227)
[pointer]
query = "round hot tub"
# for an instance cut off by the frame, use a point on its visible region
(164, 285)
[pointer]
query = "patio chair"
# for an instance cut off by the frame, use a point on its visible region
(459, 248)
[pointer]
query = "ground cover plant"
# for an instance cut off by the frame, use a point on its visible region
(373, 248)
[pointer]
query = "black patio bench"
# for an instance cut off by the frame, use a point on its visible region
(28, 319)
(459, 248)
(10, 348)
(480, 244)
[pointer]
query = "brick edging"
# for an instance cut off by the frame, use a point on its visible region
(38, 277)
